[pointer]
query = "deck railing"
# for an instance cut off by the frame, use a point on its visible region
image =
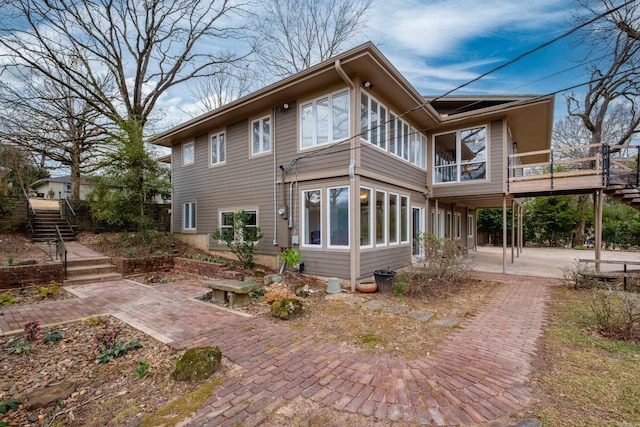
(622, 165)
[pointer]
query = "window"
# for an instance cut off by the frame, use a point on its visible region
(447, 226)
(404, 219)
(188, 153)
(457, 226)
(366, 218)
(189, 216)
(261, 135)
(228, 218)
(418, 149)
(393, 218)
(338, 216)
(470, 225)
(311, 222)
(381, 218)
(324, 120)
(461, 156)
(218, 155)
(373, 121)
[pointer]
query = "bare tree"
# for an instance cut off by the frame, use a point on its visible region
(146, 47)
(615, 79)
(226, 83)
(48, 120)
(20, 163)
(295, 34)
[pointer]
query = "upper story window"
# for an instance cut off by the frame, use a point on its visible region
(384, 129)
(373, 121)
(324, 120)
(261, 135)
(460, 156)
(218, 149)
(188, 153)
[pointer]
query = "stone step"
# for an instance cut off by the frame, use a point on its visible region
(92, 278)
(83, 270)
(89, 261)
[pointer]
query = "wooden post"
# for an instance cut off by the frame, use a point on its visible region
(513, 230)
(520, 232)
(597, 215)
(504, 234)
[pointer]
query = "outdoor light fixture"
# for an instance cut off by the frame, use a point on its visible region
(285, 106)
(367, 84)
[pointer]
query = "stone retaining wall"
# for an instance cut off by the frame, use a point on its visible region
(29, 275)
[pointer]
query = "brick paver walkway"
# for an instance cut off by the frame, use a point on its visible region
(479, 375)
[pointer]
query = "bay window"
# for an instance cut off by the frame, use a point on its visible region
(373, 121)
(366, 217)
(404, 219)
(338, 216)
(393, 218)
(381, 217)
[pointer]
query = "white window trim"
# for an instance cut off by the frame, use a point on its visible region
(384, 221)
(261, 122)
(313, 102)
(234, 211)
(372, 212)
(184, 216)
(382, 123)
(217, 135)
(397, 241)
(184, 146)
(329, 245)
(303, 223)
(459, 163)
(407, 219)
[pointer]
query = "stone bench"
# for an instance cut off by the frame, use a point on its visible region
(235, 293)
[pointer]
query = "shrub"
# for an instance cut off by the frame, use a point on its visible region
(292, 257)
(580, 276)
(45, 291)
(242, 238)
(616, 313)
(443, 263)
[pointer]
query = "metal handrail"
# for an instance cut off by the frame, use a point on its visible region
(69, 212)
(61, 250)
(31, 213)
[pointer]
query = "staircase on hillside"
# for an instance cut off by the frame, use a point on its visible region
(44, 226)
(622, 176)
(90, 270)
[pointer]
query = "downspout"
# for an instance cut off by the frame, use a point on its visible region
(291, 204)
(275, 184)
(343, 75)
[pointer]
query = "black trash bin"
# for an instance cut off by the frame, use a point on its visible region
(384, 279)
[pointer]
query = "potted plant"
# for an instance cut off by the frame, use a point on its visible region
(293, 258)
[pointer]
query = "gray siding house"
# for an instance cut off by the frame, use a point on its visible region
(349, 163)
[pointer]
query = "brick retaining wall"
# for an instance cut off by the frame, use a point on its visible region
(143, 265)
(29, 275)
(204, 268)
(167, 262)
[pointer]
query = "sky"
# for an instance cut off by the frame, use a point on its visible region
(438, 45)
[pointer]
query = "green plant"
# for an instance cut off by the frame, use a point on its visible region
(18, 346)
(96, 321)
(142, 370)
(32, 330)
(7, 299)
(7, 405)
(108, 344)
(398, 287)
(118, 350)
(242, 237)
(292, 257)
(45, 291)
(10, 261)
(53, 336)
(158, 252)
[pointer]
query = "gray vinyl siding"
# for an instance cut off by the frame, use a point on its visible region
(388, 165)
(495, 184)
(393, 257)
(325, 263)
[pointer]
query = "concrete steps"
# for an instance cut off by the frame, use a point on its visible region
(90, 270)
(45, 226)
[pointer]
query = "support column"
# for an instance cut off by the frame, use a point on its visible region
(597, 219)
(504, 234)
(520, 234)
(436, 223)
(513, 230)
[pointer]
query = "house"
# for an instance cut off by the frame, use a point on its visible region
(59, 187)
(349, 163)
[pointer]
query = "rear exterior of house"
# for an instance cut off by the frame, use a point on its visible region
(349, 163)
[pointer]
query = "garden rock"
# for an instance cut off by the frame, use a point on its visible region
(43, 397)
(286, 308)
(197, 364)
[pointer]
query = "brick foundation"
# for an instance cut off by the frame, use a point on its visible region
(30, 275)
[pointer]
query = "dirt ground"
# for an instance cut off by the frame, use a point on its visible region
(111, 394)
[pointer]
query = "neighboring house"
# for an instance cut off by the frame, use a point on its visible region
(59, 188)
(349, 163)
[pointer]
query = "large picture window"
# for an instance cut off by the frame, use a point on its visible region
(261, 135)
(393, 218)
(338, 215)
(381, 218)
(460, 156)
(189, 216)
(404, 219)
(217, 149)
(324, 120)
(312, 219)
